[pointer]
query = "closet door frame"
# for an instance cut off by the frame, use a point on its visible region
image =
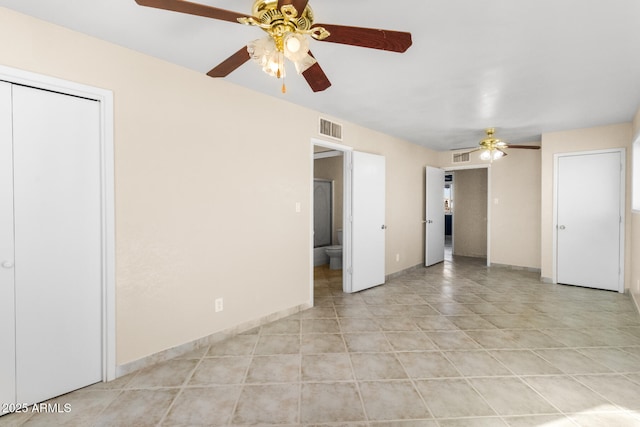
(105, 98)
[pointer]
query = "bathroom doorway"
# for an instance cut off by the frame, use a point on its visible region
(328, 214)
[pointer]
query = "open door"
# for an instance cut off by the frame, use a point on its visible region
(368, 221)
(434, 210)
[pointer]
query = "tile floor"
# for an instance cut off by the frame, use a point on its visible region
(453, 345)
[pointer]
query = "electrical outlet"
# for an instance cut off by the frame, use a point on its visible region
(397, 257)
(219, 305)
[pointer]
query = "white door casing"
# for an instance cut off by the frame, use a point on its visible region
(589, 219)
(434, 209)
(7, 290)
(103, 168)
(368, 224)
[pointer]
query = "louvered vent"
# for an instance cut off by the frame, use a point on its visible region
(330, 129)
(460, 157)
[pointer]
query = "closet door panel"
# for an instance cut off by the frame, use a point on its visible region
(7, 313)
(57, 243)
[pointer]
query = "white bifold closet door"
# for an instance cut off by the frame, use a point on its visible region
(50, 244)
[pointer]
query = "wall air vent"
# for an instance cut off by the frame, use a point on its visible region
(460, 157)
(330, 129)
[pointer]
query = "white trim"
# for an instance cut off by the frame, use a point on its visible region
(623, 166)
(346, 211)
(488, 168)
(105, 98)
(635, 175)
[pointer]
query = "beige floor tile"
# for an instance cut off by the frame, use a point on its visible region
(274, 369)
(358, 325)
(525, 362)
(622, 419)
(242, 345)
(367, 342)
(567, 394)
(268, 404)
(613, 358)
(137, 408)
(320, 326)
(220, 371)
(377, 366)
(326, 367)
(453, 398)
(540, 421)
(331, 402)
(428, 364)
(392, 400)
(616, 388)
(510, 396)
(322, 343)
(172, 373)
(452, 340)
(211, 406)
(572, 362)
(278, 344)
(410, 341)
(473, 422)
(284, 326)
(477, 363)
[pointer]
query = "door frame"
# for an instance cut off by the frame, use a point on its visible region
(346, 211)
(453, 229)
(623, 166)
(105, 98)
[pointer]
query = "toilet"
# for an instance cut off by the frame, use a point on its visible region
(335, 253)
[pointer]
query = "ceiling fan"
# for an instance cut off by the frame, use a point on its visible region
(493, 148)
(287, 23)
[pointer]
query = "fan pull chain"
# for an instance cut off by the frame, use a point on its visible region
(284, 74)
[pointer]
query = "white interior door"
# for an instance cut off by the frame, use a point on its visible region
(57, 249)
(589, 219)
(7, 297)
(368, 226)
(434, 227)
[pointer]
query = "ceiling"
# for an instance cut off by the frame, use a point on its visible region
(526, 67)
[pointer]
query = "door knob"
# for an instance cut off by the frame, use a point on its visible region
(384, 227)
(562, 227)
(7, 264)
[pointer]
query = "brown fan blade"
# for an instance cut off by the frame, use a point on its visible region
(315, 76)
(300, 5)
(193, 9)
(394, 41)
(529, 147)
(230, 64)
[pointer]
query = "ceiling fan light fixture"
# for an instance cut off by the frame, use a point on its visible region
(485, 155)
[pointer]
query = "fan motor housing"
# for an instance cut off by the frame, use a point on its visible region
(268, 13)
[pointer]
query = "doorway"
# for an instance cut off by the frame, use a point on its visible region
(329, 165)
(469, 211)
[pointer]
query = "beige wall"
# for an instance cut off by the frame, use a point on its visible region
(202, 202)
(331, 168)
(470, 213)
(612, 136)
(515, 183)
